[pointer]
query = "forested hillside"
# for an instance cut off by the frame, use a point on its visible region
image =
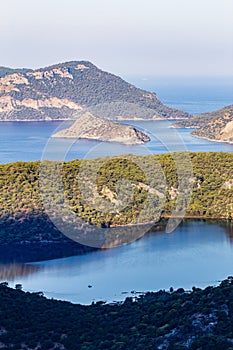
(63, 90)
(23, 218)
(175, 320)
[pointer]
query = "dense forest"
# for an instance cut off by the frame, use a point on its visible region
(150, 188)
(107, 192)
(174, 320)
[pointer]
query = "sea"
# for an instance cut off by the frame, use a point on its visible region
(191, 94)
(197, 253)
(31, 141)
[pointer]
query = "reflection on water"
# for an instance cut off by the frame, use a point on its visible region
(197, 253)
(9, 272)
(228, 227)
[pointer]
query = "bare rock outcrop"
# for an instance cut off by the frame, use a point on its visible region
(89, 126)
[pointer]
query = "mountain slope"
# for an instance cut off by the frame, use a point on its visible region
(59, 91)
(88, 126)
(216, 126)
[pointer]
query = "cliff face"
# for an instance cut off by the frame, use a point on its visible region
(216, 126)
(58, 91)
(89, 126)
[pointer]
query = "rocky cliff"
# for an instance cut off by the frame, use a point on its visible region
(89, 126)
(215, 126)
(59, 91)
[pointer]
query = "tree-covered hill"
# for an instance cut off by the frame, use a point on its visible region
(175, 320)
(61, 91)
(216, 126)
(23, 218)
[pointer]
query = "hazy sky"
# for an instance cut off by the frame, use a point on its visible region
(133, 37)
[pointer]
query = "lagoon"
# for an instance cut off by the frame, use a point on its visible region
(197, 254)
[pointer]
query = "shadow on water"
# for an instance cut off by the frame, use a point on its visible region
(18, 264)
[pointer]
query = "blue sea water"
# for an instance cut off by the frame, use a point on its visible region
(191, 94)
(195, 254)
(31, 141)
(26, 141)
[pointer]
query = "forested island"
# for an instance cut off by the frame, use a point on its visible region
(168, 320)
(24, 223)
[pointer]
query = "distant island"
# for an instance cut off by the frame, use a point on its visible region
(58, 92)
(89, 126)
(214, 126)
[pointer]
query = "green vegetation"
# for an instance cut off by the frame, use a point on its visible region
(76, 84)
(24, 220)
(175, 320)
(214, 126)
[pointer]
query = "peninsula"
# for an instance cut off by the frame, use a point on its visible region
(214, 126)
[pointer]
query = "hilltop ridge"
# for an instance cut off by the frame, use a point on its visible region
(60, 90)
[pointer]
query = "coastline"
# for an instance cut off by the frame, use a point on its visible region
(23, 252)
(198, 136)
(213, 140)
(69, 119)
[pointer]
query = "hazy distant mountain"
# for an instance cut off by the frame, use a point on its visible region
(6, 70)
(62, 90)
(89, 126)
(216, 126)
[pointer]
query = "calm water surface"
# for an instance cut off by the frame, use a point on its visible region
(191, 94)
(197, 254)
(26, 141)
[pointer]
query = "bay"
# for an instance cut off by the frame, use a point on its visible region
(195, 254)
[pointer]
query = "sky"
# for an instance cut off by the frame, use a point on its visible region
(126, 37)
